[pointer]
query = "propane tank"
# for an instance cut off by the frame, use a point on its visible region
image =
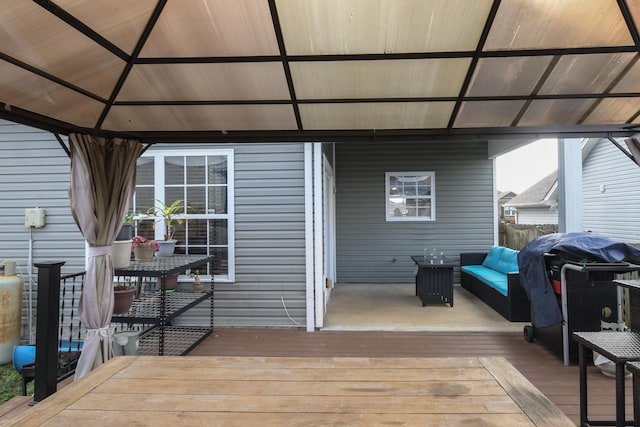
(10, 309)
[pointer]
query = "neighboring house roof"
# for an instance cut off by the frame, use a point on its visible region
(543, 193)
(506, 195)
(540, 194)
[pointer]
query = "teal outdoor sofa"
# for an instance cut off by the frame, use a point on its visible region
(493, 277)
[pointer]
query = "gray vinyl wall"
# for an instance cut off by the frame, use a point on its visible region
(34, 172)
(269, 289)
(614, 212)
(370, 249)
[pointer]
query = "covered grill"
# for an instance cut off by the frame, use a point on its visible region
(582, 266)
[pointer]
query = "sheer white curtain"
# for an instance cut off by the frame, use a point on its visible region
(102, 184)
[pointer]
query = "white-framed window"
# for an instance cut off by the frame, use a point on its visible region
(410, 196)
(204, 179)
(508, 211)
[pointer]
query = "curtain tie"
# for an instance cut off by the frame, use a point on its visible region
(99, 250)
(103, 333)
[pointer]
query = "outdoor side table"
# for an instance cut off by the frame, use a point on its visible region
(157, 309)
(634, 368)
(620, 348)
(634, 301)
(434, 282)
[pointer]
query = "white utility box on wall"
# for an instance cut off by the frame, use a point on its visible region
(34, 217)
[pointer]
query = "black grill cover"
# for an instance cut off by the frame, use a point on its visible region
(583, 247)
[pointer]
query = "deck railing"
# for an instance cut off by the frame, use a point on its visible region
(59, 332)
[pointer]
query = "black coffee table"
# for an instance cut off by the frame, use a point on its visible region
(434, 282)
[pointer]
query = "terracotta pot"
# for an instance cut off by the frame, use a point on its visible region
(122, 300)
(198, 286)
(170, 282)
(144, 252)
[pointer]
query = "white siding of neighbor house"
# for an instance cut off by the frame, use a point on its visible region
(534, 216)
(269, 289)
(370, 249)
(614, 212)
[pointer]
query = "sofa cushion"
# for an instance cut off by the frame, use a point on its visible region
(504, 260)
(492, 256)
(489, 276)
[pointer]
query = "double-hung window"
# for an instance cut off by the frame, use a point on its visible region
(410, 196)
(508, 211)
(204, 180)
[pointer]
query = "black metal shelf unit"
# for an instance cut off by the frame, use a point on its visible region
(154, 307)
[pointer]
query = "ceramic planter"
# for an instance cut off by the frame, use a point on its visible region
(121, 253)
(124, 233)
(144, 252)
(167, 247)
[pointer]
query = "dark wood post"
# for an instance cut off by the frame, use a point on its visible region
(48, 311)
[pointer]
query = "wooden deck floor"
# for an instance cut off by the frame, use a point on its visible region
(299, 391)
(541, 367)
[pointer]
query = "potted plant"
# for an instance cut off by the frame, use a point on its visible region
(198, 285)
(123, 295)
(121, 247)
(143, 248)
(171, 214)
(127, 225)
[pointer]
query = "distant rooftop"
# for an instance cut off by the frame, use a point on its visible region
(538, 195)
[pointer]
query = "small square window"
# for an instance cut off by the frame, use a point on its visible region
(410, 196)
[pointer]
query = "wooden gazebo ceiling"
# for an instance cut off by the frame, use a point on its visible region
(322, 70)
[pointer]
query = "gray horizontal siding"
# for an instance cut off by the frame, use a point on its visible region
(269, 239)
(269, 219)
(370, 249)
(269, 307)
(34, 172)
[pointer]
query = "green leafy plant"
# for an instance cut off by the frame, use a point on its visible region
(169, 213)
(194, 275)
(129, 219)
(198, 285)
(123, 286)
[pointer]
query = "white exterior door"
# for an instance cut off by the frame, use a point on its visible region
(329, 229)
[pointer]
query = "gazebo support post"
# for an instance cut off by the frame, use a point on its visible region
(46, 380)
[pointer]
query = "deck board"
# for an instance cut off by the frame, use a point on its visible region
(355, 391)
(188, 418)
(544, 369)
(540, 409)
